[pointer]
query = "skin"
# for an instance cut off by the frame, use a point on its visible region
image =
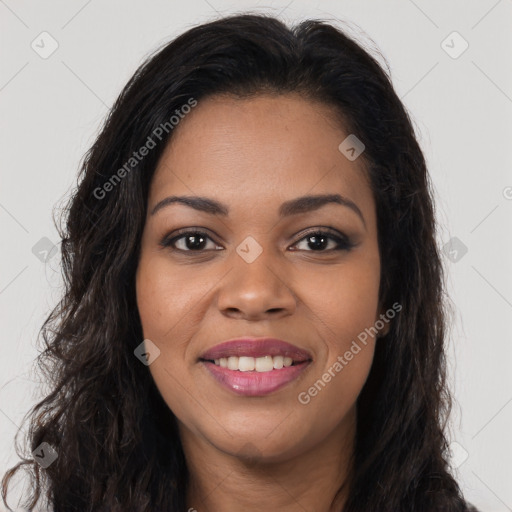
(270, 452)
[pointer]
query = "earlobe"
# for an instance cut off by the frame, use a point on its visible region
(383, 324)
(385, 330)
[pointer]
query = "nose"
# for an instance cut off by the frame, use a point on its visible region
(256, 290)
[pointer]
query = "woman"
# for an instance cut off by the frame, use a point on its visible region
(253, 316)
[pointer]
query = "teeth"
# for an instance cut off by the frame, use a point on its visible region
(246, 364)
(264, 364)
(260, 364)
(278, 362)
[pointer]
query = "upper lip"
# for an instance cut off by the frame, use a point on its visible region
(256, 347)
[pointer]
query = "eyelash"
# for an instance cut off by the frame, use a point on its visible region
(343, 242)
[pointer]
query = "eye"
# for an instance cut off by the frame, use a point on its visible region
(319, 240)
(188, 241)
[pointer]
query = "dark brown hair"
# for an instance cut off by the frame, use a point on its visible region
(117, 442)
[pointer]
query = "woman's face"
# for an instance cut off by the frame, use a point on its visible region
(258, 270)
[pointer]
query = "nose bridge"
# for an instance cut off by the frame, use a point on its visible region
(256, 284)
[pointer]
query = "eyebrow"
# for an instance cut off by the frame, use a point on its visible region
(296, 206)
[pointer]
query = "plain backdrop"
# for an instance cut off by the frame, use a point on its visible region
(450, 64)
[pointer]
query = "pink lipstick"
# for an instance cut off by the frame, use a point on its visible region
(255, 366)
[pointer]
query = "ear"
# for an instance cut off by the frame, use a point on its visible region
(385, 330)
(384, 320)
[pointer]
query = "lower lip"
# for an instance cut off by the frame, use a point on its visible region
(255, 383)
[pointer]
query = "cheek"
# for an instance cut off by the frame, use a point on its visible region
(345, 306)
(165, 298)
(344, 320)
(344, 299)
(163, 315)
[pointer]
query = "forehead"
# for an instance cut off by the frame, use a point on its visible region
(265, 147)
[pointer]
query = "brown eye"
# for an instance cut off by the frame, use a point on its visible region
(189, 241)
(325, 241)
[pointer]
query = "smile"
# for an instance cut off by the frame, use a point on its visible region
(251, 377)
(259, 364)
(255, 366)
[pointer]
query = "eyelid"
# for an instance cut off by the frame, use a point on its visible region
(324, 229)
(343, 241)
(173, 236)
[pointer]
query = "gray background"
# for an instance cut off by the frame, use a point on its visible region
(461, 105)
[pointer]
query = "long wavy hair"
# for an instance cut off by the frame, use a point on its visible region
(117, 441)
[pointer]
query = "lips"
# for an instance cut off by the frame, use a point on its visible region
(256, 347)
(255, 367)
